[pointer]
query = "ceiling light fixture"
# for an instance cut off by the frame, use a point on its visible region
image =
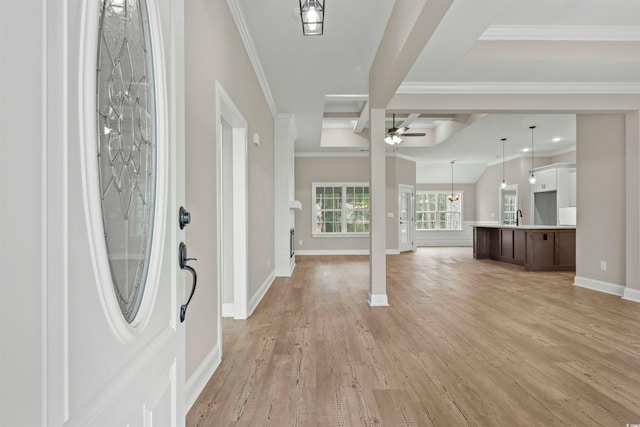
(312, 17)
(452, 197)
(532, 178)
(503, 185)
(392, 139)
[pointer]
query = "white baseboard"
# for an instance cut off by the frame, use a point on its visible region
(444, 242)
(343, 252)
(257, 297)
(227, 309)
(196, 383)
(378, 300)
(333, 252)
(597, 285)
(631, 294)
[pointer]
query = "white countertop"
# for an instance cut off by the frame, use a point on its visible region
(528, 227)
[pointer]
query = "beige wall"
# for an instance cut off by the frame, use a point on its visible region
(488, 188)
(600, 232)
(569, 157)
(346, 169)
(214, 51)
(398, 171)
(326, 169)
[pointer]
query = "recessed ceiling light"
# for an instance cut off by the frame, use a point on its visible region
(556, 139)
(524, 150)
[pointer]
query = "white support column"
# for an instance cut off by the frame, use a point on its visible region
(632, 155)
(377, 208)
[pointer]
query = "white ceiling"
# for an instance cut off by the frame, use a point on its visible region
(590, 43)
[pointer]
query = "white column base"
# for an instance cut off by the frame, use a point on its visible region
(378, 300)
(631, 294)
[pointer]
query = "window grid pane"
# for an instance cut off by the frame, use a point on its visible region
(342, 209)
(434, 211)
(509, 209)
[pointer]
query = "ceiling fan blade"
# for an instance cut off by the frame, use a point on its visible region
(414, 134)
(409, 120)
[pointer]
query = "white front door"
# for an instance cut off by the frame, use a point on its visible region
(406, 220)
(115, 351)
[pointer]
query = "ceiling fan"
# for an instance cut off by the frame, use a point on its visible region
(394, 134)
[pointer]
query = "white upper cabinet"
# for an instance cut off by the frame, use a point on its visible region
(546, 180)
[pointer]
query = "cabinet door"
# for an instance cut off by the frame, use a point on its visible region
(572, 187)
(541, 254)
(545, 181)
(519, 248)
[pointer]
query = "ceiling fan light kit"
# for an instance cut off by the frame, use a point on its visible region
(394, 134)
(312, 17)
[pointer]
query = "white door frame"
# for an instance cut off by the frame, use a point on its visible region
(510, 188)
(411, 219)
(225, 108)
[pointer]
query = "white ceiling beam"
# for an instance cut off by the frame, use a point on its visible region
(411, 25)
(363, 119)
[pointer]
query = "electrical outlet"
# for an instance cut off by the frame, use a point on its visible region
(300, 242)
(268, 262)
(603, 265)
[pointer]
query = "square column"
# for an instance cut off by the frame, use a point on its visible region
(377, 209)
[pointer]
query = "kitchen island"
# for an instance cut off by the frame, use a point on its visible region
(535, 247)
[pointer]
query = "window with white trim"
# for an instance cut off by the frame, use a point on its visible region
(434, 211)
(340, 208)
(509, 207)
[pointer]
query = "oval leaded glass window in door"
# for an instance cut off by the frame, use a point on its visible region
(126, 146)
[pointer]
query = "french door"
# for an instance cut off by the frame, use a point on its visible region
(115, 347)
(406, 218)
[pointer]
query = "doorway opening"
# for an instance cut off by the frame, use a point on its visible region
(231, 198)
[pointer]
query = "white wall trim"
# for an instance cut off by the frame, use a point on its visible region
(378, 300)
(341, 252)
(444, 242)
(335, 154)
(198, 380)
(561, 33)
(631, 294)
(521, 88)
(257, 297)
(245, 35)
(227, 309)
(332, 252)
(597, 285)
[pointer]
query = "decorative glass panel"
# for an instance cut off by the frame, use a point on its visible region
(126, 146)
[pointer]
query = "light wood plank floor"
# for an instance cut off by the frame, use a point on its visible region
(463, 342)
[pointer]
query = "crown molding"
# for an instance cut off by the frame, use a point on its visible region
(241, 25)
(528, 155)
(520, 88)
(581, 33)
(335, 154)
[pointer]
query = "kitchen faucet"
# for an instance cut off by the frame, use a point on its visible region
(518, 216)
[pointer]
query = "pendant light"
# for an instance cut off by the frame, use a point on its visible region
(312, 16)
(503, 185)
(452, 197)
(532, 178)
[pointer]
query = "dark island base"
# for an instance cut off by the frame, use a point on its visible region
(536, 249)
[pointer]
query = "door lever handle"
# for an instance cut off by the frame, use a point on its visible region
(182, 261)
